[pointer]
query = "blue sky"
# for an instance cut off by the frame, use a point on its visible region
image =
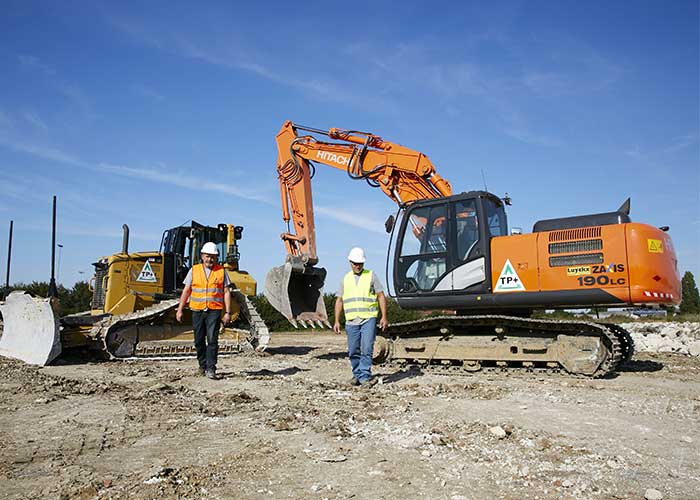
(154, 113)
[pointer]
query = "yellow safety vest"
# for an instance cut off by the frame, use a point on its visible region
(207, 293)
(359, 301)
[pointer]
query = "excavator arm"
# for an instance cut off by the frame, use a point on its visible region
(403, 174)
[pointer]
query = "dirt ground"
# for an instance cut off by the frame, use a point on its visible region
(287, 425)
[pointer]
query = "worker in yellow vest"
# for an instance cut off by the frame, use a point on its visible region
(206, 288)
(359, 295)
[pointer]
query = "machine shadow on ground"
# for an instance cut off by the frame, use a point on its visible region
(642, 365)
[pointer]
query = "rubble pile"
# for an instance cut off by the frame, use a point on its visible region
(674, 337)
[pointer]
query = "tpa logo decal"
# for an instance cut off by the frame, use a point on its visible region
(147, 275)
(509, 281)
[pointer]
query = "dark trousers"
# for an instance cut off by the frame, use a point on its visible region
(206, 337)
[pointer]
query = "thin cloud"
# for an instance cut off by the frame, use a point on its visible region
(185, 182)
(682, 142)
(143, 91)
(351, 218)
(635, 153)
(240, 56)
(177, 179)
(35, 121)
(676, 145)
(34, 63)
(69, 90)
(42, 152)
(46, 153)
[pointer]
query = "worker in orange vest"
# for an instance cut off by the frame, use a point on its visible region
(206, 288)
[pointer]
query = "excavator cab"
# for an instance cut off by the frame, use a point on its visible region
(443, 245)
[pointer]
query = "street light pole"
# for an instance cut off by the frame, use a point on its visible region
(53, 292)
(9, 256)
(58, 269)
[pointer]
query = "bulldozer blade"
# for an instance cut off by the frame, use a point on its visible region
(31, 330)
(297, 294)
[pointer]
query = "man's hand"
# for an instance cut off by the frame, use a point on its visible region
(227, 318)
(336, 327)
(178, 315)
(383, 323)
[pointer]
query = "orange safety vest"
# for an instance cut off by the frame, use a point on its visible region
(207, 293)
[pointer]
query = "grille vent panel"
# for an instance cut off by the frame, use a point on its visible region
(575, 234)
(99, 293)
(576, 246)
(576, 260)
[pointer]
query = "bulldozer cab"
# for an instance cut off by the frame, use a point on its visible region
(443, 244)
(181, 246)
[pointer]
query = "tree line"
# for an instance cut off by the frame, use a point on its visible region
(78, 298)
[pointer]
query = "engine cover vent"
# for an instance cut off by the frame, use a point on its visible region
(576, 260)
(576, 246)
(575, 234)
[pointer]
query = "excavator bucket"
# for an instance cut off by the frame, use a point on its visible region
(31, 330)
(298, 295)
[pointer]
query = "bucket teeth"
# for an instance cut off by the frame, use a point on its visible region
(303, 323)
(312, 324)
(329, 326)
(320, 323)
(294, 323)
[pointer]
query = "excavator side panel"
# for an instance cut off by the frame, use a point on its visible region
(514, 263)
(632, 263)
(585, 258)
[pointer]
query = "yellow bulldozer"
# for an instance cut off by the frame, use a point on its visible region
(135, 297)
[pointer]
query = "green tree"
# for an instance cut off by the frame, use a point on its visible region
(76, 299)
(690, 304)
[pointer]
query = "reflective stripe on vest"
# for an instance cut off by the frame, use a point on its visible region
(207, 293)
(358, 299)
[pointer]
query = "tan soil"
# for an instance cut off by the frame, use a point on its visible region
(287, 426)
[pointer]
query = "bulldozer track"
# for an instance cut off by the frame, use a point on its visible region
(617, 343)
(105, 331)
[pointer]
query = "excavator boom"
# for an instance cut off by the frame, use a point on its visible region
(403, 174)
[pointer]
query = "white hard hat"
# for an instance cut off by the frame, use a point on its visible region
(357, 255)
(210, 248)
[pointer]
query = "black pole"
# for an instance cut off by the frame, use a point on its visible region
(53, 291)
(9, 257)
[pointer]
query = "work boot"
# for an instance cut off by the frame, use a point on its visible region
(212, 375)
(370, 382)
(354, 381)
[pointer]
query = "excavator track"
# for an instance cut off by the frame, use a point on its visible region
(122, 336)
(463, 344)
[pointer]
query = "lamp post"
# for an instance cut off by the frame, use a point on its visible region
(58, 270)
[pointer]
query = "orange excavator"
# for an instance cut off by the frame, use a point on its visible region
(454, 252)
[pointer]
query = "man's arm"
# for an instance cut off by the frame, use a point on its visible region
(227, 306)
(383, 323)
(184, 296)
(338, 310)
